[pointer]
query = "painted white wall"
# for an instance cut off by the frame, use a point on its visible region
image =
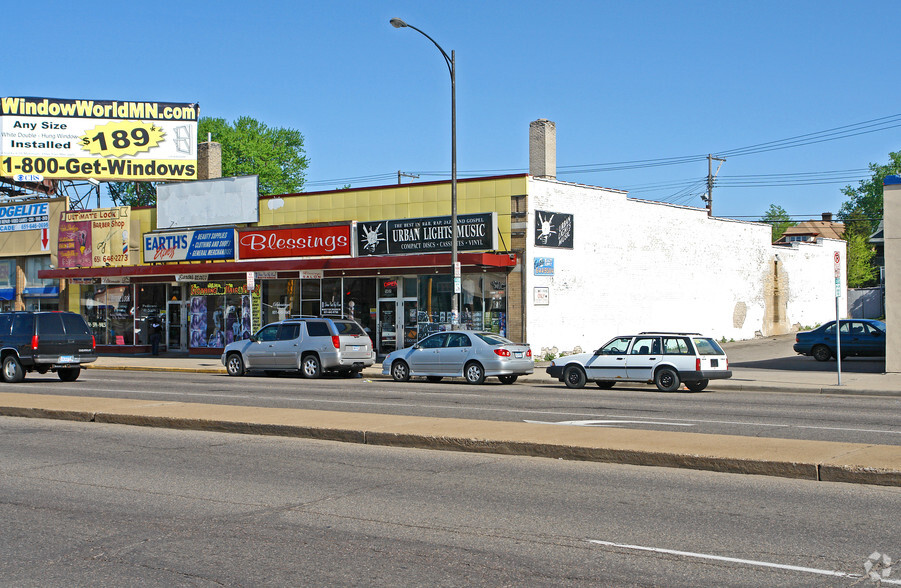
(638, 265)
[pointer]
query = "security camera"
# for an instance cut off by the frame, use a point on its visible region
(93, 182)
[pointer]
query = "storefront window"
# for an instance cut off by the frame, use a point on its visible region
(7, 283)
(332, 302)
(151, 302)
(359, 302)
(109, 311)
(39, 294)
(222, 312)
(279, 300)
(483, 303)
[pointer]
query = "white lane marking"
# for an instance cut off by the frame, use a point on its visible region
(607, 423)
(750, 562)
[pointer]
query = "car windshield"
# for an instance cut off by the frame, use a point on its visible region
(493, 339)
(707, 346)
(348, 328)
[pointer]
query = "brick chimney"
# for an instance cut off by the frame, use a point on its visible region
(543, 149)
(209, 160)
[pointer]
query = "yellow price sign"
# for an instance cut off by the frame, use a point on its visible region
(125, 137)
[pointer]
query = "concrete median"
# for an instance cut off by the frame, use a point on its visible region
(811, 460)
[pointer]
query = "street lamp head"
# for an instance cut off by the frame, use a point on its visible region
(398, 23)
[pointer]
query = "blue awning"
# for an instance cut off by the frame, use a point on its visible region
(7, 293)
(40, 291)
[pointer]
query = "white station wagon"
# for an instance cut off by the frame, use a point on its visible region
(664, 359)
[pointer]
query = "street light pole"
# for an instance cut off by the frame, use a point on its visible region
(451, 68)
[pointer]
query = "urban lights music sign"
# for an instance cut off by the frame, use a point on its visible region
(475, 232)
(97, 139)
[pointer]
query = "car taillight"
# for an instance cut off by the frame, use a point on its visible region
(34, 341)
(93, 342)
(503, 352)
(529, 353)
(336, 341)
(697, 364)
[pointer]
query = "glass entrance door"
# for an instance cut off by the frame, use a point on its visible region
(398, 314)
(176, 325)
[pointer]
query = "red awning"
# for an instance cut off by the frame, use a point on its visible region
(347, 265)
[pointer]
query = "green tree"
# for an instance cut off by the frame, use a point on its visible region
(778, 219)
(863, 209)
(861, 271)
(249, 147)
(861, 214)
(132, 193)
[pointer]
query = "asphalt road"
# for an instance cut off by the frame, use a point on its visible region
(90, 504)
(858, 419)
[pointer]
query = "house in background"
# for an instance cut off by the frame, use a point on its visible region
(811, 230)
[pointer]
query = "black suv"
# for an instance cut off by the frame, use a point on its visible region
(42, 342)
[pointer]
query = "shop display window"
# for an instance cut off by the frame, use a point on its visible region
(109, 310)
(7, 283)
(220, 313)
(311, 291)
(279, 300)
(150, 302)
(359, 302)
(483, 303)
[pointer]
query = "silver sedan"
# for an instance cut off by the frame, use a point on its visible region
(473, 355)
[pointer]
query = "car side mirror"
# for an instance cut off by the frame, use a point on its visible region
(417, 346)
(253, 339)
(598, 352)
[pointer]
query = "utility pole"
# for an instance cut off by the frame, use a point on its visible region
(710, 177)
(401, 174)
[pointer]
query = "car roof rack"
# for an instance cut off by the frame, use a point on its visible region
(666, 333)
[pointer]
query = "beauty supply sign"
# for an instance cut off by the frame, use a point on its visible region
(97, 139)
(94, 238)
(24, 217)
(475, 232)
(189, 245)
(296, 242)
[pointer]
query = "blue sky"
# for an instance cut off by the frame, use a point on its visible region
(624, 81)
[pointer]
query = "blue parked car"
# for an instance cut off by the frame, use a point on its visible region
(863, 337)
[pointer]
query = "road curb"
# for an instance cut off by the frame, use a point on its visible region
(806, 460)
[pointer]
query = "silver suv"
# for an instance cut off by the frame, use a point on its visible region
(664, 359)
(310, 345)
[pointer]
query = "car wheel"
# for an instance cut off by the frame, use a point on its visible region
(68, 374)
(697, 386)
(666, 379)
(605, 385)
(474, 373)
(400, 371)
(234, 365)
(434, 379)
(507, 379)
(12, 370)
(821, 353)
(574, 377)
(310, 366)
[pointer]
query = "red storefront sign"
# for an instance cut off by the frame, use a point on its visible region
(297, 242)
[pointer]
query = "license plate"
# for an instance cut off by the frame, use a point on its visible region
(714, 363)
(517, 354)
(356, 347)
(66, 359)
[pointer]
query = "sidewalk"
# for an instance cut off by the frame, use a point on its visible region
(811, 460)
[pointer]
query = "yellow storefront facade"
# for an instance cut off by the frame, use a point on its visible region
(379, 255)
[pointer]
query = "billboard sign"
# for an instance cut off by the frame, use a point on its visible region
(296, 242)
(24, 217)
(98, 139)
(189, 245)
(94, 238)
(475, 232)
